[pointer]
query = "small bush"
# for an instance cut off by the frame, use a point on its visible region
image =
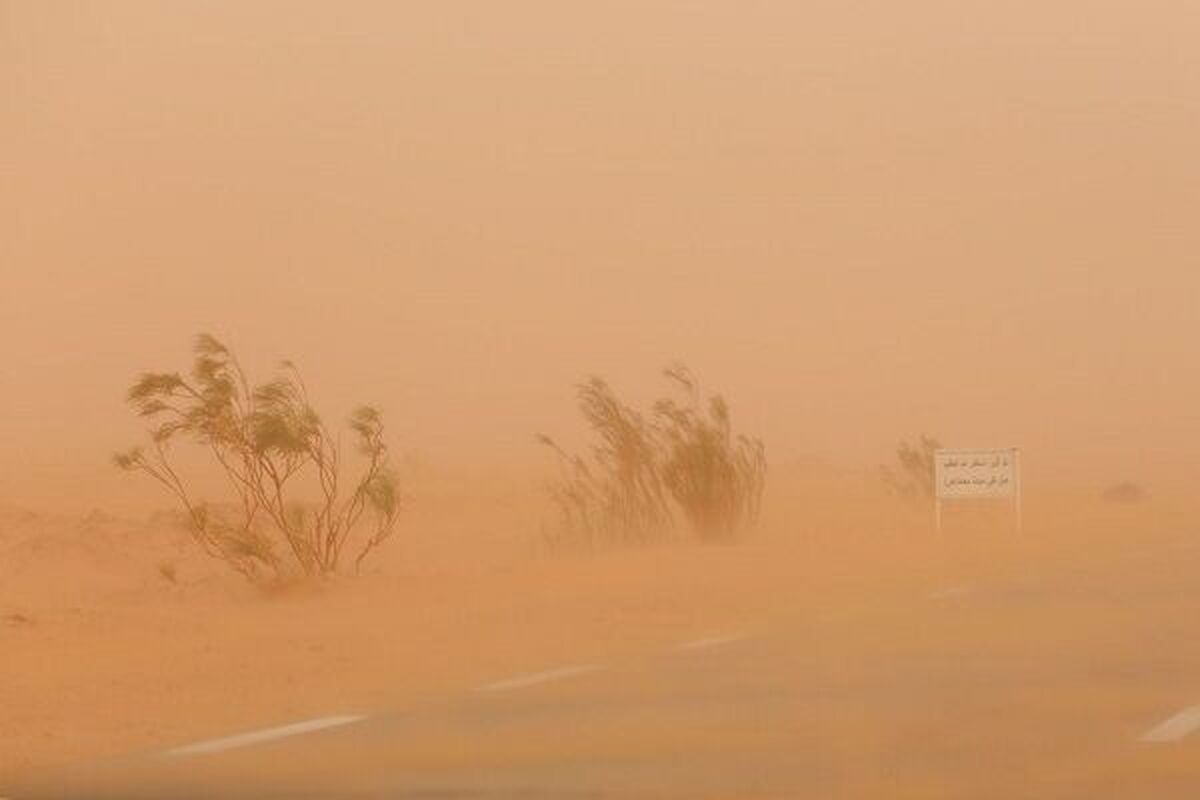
(1125, 492)
(168, 572)
(267, 440)
(914, 476)
(617, 493)
(648, 473)
(716, 480)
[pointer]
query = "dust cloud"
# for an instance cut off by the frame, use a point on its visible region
(859, 221)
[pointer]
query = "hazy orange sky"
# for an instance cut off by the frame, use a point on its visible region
(860, 220)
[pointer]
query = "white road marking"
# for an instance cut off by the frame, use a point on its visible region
(521, 681)
(712, 641)
(1175, 728)
(265, 735)
(953, 591)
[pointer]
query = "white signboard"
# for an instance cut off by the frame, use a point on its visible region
(975, 473)
(967, 474)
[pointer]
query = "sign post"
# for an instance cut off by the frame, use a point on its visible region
(975, 474)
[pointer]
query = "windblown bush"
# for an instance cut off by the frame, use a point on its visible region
(617, 493)
(716, 480)
(914, 477)
(1124, 492)
(646, 475)
(269, 442)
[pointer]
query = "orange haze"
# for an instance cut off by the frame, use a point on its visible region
(860, 221)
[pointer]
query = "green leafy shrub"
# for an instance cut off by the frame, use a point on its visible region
(268, 441)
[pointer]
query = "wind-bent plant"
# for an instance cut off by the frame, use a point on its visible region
(617, 493)
(717, 480)
(267, 440)
(647, 474)
(914, 478)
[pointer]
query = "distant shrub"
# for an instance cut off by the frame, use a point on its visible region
(1124, 492)
(647, 473)
(267, 439)
(913, 476)
(168, 572)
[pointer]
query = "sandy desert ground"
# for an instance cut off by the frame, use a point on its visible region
(858, 222)
(104, 655)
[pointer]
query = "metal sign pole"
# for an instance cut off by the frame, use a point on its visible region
(1017, 490)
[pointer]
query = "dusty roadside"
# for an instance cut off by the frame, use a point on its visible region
(105, 654)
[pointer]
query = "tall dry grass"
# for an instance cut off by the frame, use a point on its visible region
(679, 468)
(913, 476)
(716, 479)
(616, 492)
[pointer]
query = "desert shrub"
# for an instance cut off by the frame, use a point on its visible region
(646, 474)
(716, 480)
(617, 493)
(913, 476)
(268, 441)
(1124, 492)
(168, 572)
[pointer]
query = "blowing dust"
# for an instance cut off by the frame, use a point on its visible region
(859, 223)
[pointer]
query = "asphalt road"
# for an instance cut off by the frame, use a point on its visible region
(1061, 682)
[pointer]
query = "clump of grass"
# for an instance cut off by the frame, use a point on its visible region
(646, 476)
(617, 492)
(267, 440)
(716, 479)
(913, 478)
